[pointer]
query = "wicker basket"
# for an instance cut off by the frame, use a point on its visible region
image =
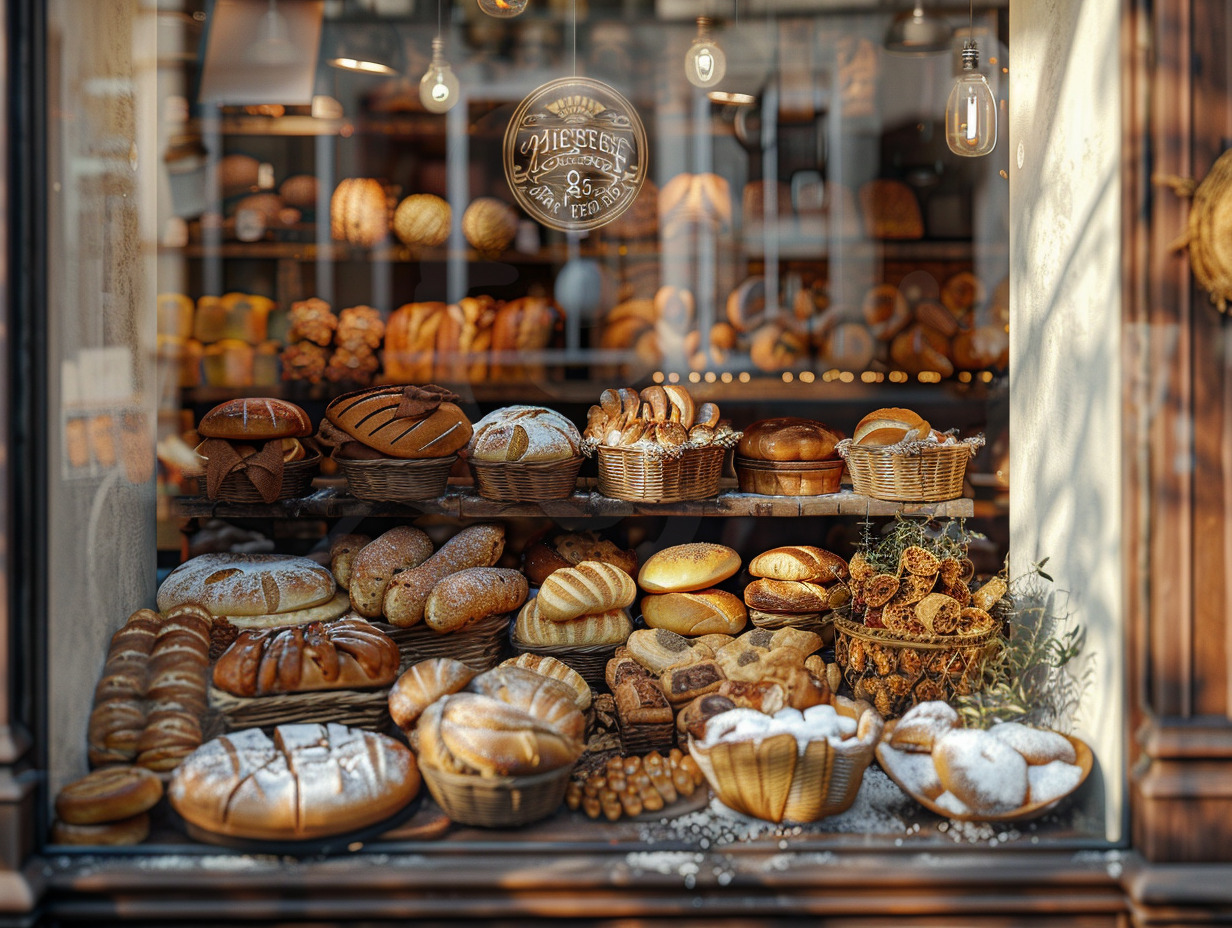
(820, 623)
(770, 779)
(532, 482)
(397, 480)
(895, 671)
(496, 802)
(789, 478)
(296, 482)
(627, 473)
(642, 739)
(357, 708)
(924, 472)
(480, 646)
(590, 661)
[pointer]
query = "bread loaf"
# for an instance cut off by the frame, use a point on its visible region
(308, 781)
(407, 593)
(702, 613)
(347, 653)
(535, 694)
(247, 584)
(473, 594)
(599, 628)
(555, 670)
(126, 831)
(477, 734)
(588, 588)
(358, 212)
(424, 683)
(410, 341)
(799, 562)
(119, 713)
(657, 649)
(403, 421)
(255, 418)
(524, 434)
(890, 426)
(789, 438)
(342, 553)
(683, 568)
(789, 596)
(108, 795)
(641, 701)
(333, 608)
(400, 548)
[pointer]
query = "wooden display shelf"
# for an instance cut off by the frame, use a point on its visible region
(461, 502)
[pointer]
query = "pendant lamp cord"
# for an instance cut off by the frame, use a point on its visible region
(573, 7)
(438, 18)
(971, 24)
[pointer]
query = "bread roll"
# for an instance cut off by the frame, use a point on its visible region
(537, 695)
(247, 584)
(789, 438)
(600, 628)
(657, 649)
(692, 719)
(556, 670)
(423, 684)
(799, 562)
(342, 553)
(684, 568)
(407, 593)
(255, 418)
(473, 594)
(789, 596)
(686, 682)
(309, 781)
(358, 212)
(588, 588)
(400, 548)
(108, 795)
(881, 425)
(702, 613)
(347, 653)
(124, 832)
(473, 733)
(641, 701)
(570, 549)
(524, 434)
(1036, 745)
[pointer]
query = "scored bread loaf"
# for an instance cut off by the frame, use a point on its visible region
(342, 551)
(473, 594)
(308, 781)
(247, 584)
(588, 588)
(407, 593)
(799, 562)
(535, 694)
(702, 613)
(400, 548)
(683, 568)
(525, 434)
(556, 670)
(378, 417)
(347, 653)
(424, 683)
(599, 628)
(477, 734)
(787, 596)
(255, 418)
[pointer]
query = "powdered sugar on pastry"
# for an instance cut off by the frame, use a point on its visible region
(1037, 745)
(914, 771)
(1052, 780)
(982, 771)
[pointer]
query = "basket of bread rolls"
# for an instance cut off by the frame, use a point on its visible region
(448, 602)
(395, 443)
(657, 445)
(789, 456)
(915, 631)
(526, 453)
(895, 454)
(253, 453)
(496, 749)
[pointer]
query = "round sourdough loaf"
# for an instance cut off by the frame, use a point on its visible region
(258, 417)
(247, 584)
(684, 568)
(788, 438)
(308, 781)
(702, 613)
(524, 434)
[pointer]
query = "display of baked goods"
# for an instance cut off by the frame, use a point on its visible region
(1009, 772)
(631, 786)
(307, 781)
(253, 439)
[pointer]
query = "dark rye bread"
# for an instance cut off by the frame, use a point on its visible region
(371, 417)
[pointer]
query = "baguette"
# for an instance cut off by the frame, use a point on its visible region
(473, 594)
(588, 588)
(408, 591)
(599, 628)
(400, 548)
(423, 684)
(342, 553)
(372, 417)
(788, 596)
(702, 613)
(799, 562)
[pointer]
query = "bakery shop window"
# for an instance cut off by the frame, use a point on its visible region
(495, 488)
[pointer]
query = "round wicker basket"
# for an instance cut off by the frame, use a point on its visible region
(590, 662)
(789, 478)
(925, 472)
(396, 480)
(632, 474)
(296, 482)
(496, 802)
(481, 646)
(530, 482)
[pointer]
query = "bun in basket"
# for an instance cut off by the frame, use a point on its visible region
(407, 593)
(247, 584)
(600, 628)
(789, 438)
(308, 781)
(256, 418)
(423, 684)
(402, 547)
(535, 694)
(588, 588)
(403, 421)
(702, 613)
(683, 568)
(473, 594)
(799, 562)
(890, 426)
(524, 434)
(556, 670)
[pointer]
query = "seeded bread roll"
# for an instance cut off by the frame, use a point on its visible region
(684, 568)
(789, 596)
(473, 594)
(247, 584)
(525, 434)
(423, 684)
(588, 588)
(799, 562)
(400, 548)
(342, 551)
(407, 593)
(534, 630)
(702, 613)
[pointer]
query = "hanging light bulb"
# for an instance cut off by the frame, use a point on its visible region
(438, 88)
(272, 45)
(971, 111)
(502, 9)
(705, 64)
